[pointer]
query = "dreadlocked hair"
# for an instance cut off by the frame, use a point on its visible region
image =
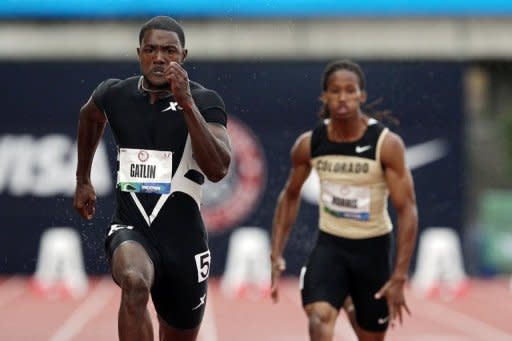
(370, 108)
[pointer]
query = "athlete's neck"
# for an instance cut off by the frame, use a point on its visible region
(154, 92)
(348, 130)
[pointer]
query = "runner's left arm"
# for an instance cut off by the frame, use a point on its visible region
(210, 140)
(401, 190)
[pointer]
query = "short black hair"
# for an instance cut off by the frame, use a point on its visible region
(163, 23)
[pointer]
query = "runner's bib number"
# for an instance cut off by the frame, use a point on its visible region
(144, 171)
(344, 201)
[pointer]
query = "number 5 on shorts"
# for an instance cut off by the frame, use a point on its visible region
(203, 265)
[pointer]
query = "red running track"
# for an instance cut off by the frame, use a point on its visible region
(483, 313)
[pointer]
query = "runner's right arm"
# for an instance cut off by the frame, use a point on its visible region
(91, 124)
(288, 204)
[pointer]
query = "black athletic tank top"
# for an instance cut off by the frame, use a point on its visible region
(353, 192)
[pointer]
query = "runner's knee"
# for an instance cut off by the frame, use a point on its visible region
(135, 287)
(320, 317)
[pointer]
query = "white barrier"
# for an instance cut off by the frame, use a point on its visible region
(60, 268)
(439, 265)
(247, 270)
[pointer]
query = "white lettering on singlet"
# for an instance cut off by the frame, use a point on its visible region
(46, 166)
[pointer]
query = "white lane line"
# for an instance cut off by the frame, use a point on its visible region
(11, 289)
(208, 331)
(155, 322)
(464, 323)
(96, 301)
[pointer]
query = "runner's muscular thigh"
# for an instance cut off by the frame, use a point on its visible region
(131, 256)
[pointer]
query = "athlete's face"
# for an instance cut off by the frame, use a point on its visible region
(157, 50)
(343, 96)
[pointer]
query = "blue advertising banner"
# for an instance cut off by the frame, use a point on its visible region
(270, 104)
(250, 8)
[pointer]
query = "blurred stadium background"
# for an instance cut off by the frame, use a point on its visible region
(444, 69)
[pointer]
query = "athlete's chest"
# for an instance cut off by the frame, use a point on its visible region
(347, 168)
(137, 123)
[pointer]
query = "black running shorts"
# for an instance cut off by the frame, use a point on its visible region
(338, 267)
(178, 247)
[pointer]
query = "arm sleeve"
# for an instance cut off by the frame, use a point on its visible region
(211, 106)
(101, 93)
